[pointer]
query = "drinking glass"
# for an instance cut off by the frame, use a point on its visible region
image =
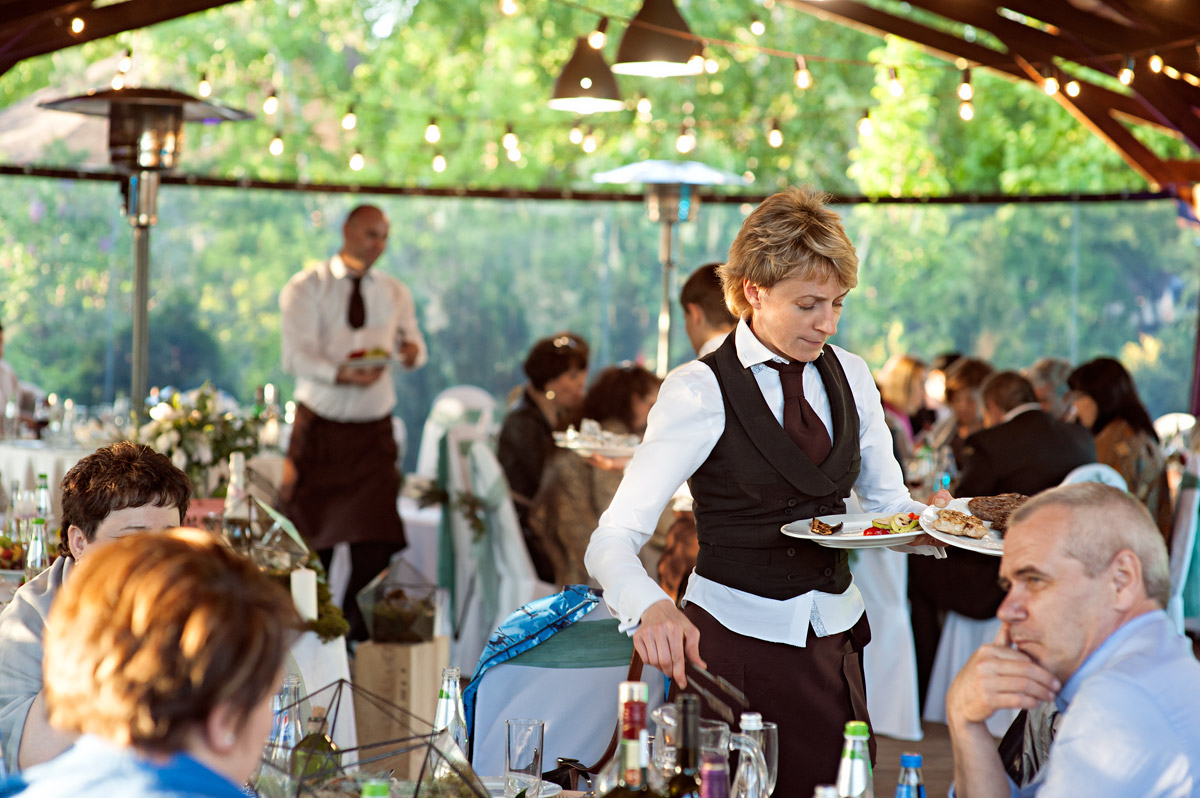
(524, 738)
(769, 740)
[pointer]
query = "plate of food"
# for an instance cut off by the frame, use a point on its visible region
(592, 439)
(857, 530)
(975, 524)
(367, 358)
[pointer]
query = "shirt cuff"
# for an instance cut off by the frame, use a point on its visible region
(635, 600)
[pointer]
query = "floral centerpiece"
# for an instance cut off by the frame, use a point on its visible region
(198, 430)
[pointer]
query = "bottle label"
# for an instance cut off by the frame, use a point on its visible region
(633, 719)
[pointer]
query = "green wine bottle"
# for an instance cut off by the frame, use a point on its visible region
(315, 754)
(686, 781)
(634, 750)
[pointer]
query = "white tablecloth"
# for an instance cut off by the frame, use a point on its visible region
(24, 460)
(319, 665)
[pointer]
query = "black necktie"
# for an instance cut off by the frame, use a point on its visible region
(356, 315)
(799, 419)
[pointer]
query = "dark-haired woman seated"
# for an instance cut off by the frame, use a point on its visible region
(164, 651)
(1107, 402)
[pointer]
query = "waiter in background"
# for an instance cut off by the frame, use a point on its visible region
(341, 480)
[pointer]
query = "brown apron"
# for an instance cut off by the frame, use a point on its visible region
(340, 481)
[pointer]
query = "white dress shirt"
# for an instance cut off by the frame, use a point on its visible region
(317, 338)
(684, 425)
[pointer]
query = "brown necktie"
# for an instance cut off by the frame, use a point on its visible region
(356, 315)
(799, 419)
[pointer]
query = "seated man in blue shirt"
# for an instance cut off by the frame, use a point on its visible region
(1086, 573)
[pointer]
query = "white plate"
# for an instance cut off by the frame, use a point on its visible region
(584, 450)
(496, 787)
(991, 543)
(850, 536)
(365, 362)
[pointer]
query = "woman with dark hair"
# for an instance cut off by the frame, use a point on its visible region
(575, 491)
(964, 378)
(1106, 402)
(163, 651)
(556, 368)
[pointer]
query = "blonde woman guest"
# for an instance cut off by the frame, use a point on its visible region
(901, 384)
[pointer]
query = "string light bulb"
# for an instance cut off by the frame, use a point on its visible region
(803, 76)
(271, 104)
(686, 141)
(510, 141)
(205, 88)
(597, 38)
(357, 161)
(276, 147)
(895, 87)
(1125, 75)
(1072, 88)
(439, 162)
(865, 127)
(508, 7)
(589, 141)
(433, 133)
(118, 82)
(514, 154)
(644, 106)
(1156, 63)
(757, 27)
(966, 111)
(775, 137)
(576, 134)
(966, 92)
(350, 120)
(1049, 81)
(711, 66)
(77, 25)
(126, 62)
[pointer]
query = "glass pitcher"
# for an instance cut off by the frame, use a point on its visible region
(716, 742)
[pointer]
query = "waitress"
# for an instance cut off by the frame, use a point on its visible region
(773, 427)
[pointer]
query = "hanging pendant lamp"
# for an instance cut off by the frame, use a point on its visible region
(658, 43)
(586, 85)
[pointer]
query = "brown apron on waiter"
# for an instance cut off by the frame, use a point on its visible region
(340, 481)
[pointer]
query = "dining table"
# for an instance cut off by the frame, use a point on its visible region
(22, 460)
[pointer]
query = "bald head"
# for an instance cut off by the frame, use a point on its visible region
(364, 237)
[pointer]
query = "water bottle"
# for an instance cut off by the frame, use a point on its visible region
(285, 731)
(825, 791)
(44, 508)
(910, 784)
(854, 779)
(37, 554)
(751, 778)
(449, 713)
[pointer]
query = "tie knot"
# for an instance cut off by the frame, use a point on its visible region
(795, 367)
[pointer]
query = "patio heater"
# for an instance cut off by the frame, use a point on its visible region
(670, 200)
(145, 137)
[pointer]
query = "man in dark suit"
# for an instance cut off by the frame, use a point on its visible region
(1022, 449)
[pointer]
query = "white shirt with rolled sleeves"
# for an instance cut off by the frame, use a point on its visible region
(317, 338)
(685, 424)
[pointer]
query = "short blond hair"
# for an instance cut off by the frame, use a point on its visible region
(898, 377)
(153, 632)
(792, 232)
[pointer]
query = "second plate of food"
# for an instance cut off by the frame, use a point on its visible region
(979, 535)
(850, 536)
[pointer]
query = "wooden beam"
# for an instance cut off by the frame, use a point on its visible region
(1164, 95)
(1178, 18)
(49, 37)
(1096, 117)
(23, 13)
(1183, 171)
(1093, 30)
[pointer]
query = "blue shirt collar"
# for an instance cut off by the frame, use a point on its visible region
(1103, 653)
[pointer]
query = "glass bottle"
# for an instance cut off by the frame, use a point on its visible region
(910, 784)
(285, 731)
(750, 780)
(37, 554)
(12, 541)
(45, 510)
(316, 753)
(237, 519)
(686, 781)
(854, 779)
(449, 713)
(634, 749)
(825, 791)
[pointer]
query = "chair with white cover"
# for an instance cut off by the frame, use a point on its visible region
(1096, 472)
(890, 659)
(490, 574)
(1183, 537)
(460, 405)
(570, 681)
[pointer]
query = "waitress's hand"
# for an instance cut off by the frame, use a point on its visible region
(666, 639)
(941, 498)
